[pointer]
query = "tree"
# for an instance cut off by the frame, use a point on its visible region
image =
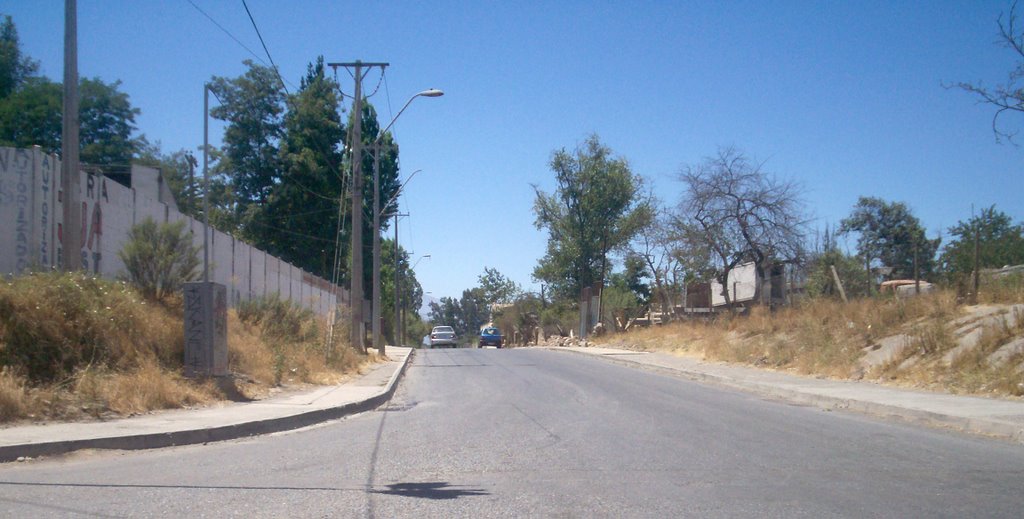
(1000, 243)
(595, 209)
(14, 68)
(497, 288)
(411, 293)
(890, 235)
(31, 115)
(821, 282)
(741, 213)
(251, 105)
(107, 121)
(388, 185)
(1009, 96)
(446, 312)
(300, 216)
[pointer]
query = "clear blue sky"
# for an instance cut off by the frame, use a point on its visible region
(844, 97)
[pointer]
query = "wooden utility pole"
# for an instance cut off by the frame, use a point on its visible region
(839, 283)
(917, 270)
(977, 267)
(356, 245)
(70, 183)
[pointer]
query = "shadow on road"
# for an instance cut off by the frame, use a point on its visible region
(430, 490)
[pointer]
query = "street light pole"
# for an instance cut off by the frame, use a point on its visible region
(376, 311)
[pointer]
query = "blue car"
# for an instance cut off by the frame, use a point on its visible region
(490, 336)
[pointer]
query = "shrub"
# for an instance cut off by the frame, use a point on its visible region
(159, 258)
(52, 324)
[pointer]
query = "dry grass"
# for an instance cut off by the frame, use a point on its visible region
(828, 338)
(73, 346)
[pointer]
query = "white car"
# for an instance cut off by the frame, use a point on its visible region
(442, 336)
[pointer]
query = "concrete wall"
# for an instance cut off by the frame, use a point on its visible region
(31, 222)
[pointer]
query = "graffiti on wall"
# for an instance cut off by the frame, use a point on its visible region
(17, 191)
(31, 231)
(45, 187)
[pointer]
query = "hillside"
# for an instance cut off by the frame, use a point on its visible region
(74, 347)
(929, 342)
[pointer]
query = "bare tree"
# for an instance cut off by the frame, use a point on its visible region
(741, 214)
(652, 244)
(1007, 97)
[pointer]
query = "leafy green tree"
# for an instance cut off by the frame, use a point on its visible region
(497, 288)
(596, 207)
(445, 312)
(411, 293)
(252, 106)
(740, 213)
(14, 68)
(301, 211)
(1000, 243)
(31, 109)
(821, 282)
(627, 295)
(31, 115)
(465, 315)
(889, 234)
(107, 121)
(159, 258)
(474, 310)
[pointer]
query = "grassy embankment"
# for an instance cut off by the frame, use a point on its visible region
(826, 337)
(73, 346)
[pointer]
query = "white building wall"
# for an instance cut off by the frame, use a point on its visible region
(742, 285)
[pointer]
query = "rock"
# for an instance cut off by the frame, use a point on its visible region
(885, 350)
(1006, 351)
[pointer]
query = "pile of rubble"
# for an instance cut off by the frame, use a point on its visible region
(559, 341)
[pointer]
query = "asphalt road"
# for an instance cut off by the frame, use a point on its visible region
(535, 433)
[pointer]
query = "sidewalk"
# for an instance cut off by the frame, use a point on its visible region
(233, 420)
(1003, 419)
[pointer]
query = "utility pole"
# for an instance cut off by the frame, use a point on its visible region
(356, 245)
(70, 183)
(399, 322)
(976, 282)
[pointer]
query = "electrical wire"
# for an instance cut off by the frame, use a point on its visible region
(232, 36)
(265, 49)
(379, 80)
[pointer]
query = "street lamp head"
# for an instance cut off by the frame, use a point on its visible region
(433, 92)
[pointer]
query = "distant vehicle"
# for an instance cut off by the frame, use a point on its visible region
(443, 336)
(490, 336)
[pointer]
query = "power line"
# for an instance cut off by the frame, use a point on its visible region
(232, 36)
(265, 49)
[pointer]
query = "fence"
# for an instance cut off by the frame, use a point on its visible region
(31, 218)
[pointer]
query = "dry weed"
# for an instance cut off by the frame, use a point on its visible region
(13, 396)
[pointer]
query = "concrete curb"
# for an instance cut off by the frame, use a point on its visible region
(210, 434)
(1003, 430)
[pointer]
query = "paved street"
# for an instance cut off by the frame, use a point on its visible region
(530, 432)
